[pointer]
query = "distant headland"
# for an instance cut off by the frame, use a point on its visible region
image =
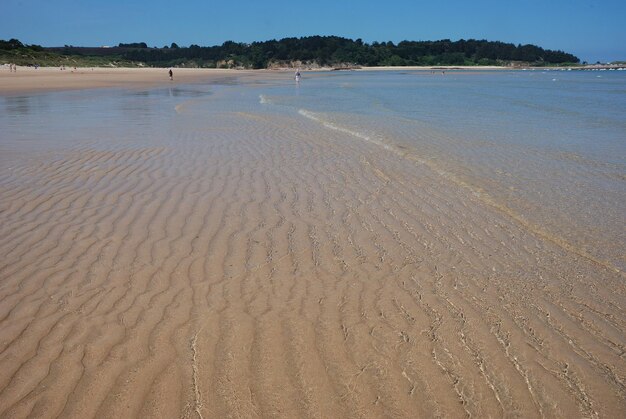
(307, 52)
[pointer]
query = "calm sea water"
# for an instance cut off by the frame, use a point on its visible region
(549, 147)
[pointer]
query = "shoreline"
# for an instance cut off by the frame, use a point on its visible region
(48, 79)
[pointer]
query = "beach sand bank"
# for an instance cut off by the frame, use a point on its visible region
(29, 79)
(241, 264)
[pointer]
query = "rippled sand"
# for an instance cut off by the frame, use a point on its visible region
(256, 265)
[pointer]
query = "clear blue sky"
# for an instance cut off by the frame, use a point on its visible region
(592, 30)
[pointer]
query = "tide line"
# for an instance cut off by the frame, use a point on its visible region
(476, 191)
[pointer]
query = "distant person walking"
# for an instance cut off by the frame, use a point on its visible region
(171, 75)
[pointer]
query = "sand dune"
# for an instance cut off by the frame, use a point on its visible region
(252, 269)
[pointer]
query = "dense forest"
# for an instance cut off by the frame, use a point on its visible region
(318, 51)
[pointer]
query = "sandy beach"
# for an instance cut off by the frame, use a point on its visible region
(238, 264)
(29, 79)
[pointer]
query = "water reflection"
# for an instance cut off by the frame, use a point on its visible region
(62, 117)
(22, 105)
(177, 91)
(17, 105)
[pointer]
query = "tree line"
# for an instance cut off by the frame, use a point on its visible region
(334, 50)
(15, 44)
(325, 51)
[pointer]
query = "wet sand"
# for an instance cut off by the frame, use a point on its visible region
(260, 266)
(29, 79)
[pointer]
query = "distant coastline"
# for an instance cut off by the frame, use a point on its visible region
(44, 79)
(307, 52)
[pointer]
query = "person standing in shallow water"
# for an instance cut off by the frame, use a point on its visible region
(171, 75)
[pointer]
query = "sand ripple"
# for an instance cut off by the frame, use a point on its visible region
(269, 267)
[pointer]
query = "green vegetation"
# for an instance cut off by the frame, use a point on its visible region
(15, 52)
(133, 45)
(313, 50)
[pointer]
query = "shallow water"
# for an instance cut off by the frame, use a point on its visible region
(548, 146)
